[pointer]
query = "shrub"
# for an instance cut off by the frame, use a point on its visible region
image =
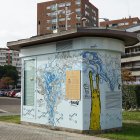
(129, 98)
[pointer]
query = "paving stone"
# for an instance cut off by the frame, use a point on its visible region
(9, 131)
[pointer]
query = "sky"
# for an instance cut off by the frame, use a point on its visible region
(19, 17)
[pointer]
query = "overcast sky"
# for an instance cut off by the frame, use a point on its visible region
(18, 17)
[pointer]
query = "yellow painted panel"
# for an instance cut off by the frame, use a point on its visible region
(73, 84)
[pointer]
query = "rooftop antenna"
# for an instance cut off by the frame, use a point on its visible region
(128, 8)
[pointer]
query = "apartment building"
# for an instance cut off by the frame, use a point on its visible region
(60, 15)
(131, 58)
(120, 23)
(11, 57)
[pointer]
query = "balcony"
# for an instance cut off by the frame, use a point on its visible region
(132, 54)
(132, 68)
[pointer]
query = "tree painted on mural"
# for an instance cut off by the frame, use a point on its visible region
(95, 103)
(96, 68)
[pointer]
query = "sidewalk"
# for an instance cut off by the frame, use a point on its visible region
(9, 131)
(6, 113)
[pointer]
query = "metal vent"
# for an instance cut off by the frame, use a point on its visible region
(64, 45)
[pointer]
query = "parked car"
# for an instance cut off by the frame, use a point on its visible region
(18, 95)
(1, 93)
(12, 93)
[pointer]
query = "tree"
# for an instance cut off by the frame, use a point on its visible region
(9, 71)
(1, 71)
(127, 76)
(6, 82)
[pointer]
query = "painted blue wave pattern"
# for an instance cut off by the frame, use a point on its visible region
(53, 92)
(92, 61)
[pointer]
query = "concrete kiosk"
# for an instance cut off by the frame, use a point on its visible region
(72, 80)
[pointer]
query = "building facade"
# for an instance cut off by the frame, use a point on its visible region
(120, 23)
(131, 57)
(64, 15)
(11, 57)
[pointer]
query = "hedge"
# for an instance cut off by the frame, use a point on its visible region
(130, 96)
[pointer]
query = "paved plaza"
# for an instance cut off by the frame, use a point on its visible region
(9, 131)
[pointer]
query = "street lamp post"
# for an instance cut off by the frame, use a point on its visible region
(84, 20)
(67, 15)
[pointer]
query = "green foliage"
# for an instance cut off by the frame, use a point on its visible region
(138, 95)
(129, 99)
(11, 119)
(134, 115)
(130, 131)
(9, 71)
(1, 71)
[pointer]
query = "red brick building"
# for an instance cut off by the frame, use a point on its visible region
(65, 14)
(120, 23)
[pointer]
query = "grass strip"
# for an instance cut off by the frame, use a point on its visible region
(11, 119)
(129, 131)
(134, 115)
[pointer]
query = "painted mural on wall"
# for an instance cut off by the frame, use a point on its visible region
(95, 103)
(106, 70)
(51, 77)
(98, 69)
(102, 69)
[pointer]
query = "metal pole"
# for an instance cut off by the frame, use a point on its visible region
(56, 16)
(66, 9)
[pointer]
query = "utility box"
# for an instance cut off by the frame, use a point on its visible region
(72, 80)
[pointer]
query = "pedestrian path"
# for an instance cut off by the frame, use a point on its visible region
(6, 113)
(9, 131)
(3, 111)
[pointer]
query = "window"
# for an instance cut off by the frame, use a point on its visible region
(114, 25)
(69, 18)
(48, 28)
(78, 2)
(38, 22)
(126, 23)
(86, 13)
(48, 21)
(78, 24)
(53, 20)
(78, 10)
(62, 26)
(78, 18)
(61, 5)
(53, 27)
(86, 6)
(52, 14)
(48, 7)
(95, 25)
(78, 13)
(29, 82)
(68, 4)
(94, 12)
(135, 22)
(94, 18)
(120, 24)
(53, 7)
(62, 19)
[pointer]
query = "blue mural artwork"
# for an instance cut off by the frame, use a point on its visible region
(51, 81)
(53, 91)
(92, 61)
